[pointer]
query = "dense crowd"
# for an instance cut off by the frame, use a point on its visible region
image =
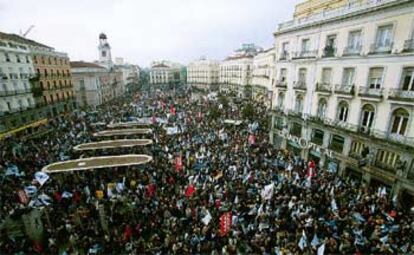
(204, 166)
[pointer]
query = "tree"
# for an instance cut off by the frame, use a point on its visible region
(222, 99)
(214, 112)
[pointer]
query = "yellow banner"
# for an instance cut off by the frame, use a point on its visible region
(34, 124)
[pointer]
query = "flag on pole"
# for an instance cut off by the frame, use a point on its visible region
(41, 177)
(315, 241)
(225, 223)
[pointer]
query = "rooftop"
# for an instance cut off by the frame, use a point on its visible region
(22, 40)
(351, 9)
(82, 64)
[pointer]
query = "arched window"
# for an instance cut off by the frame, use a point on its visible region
(299, 104)
(367, 116)
(399, 121)
(322, 105)
(343, 109)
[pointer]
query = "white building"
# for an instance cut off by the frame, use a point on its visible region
(165, 73)
(130, 73)
(263, 75)
(16, 68)
(92, 83)
(203, 74)
(236, 70)
(345, 91)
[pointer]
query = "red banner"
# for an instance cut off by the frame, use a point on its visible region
(172, 110)
(178, 163)
(225, 223)
(190, 190)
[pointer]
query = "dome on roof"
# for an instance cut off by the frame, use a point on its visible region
(102, 36)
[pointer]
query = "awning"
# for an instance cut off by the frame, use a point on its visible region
(96, 163)
(127, 124)
(31, 125)
(119, 143)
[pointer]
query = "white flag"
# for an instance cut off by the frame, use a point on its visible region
(66, 194)
(315, 241)
(206, 220)
(41, 177)
(321, 249)
(267, 192)
(303, 242)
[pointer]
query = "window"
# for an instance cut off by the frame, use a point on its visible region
(387, 159)
(375, 77)
(331, 41)
(337, 143)
(20, 102)
(348, 76)
(296, 129)
(283, 75)
(305, 45)
(407, 80)
(317, 136)
(358, 149)
(343, 111)
(18, 58)
(326, 75)
(367, 117)
(9, 108)
(355, 40)
(6, 55)
(299, 104)
(281, 99)
(103, 54)
(322, 108)
(399, 121)
(27, 59)
(384, 36)
(302, 76)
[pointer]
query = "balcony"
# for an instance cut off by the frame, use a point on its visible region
(345, 89)
(6, 93)
(397, 138)
(299, 85)
(324, 87)
(381, 49)
(281, 84)
(284, 55)
(402, 95)
(295, 113)
(409, 46)
(329, 52)
(352, 50)
(370, 92)
(305, 54)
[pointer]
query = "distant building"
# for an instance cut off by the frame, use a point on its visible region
(203, 74)
(165, 74)
(35, 84)
(263, 75)
(93, 83)
(105, 57)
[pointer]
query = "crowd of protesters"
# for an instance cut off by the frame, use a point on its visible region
(215, 186)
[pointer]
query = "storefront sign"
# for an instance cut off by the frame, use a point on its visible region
(305, 144)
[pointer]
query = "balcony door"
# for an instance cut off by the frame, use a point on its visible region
(407, 82)
(375, 77)
(384, 37)
(348, 76)
(367, 117)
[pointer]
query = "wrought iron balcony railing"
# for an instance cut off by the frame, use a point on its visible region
(284, 55)
(323, 87)
(352, 50)
(329, 52)
(345, 89)
(381, 48)
(409, 45)
(281, 84)
(370, 92)
(305, 54)
(399, 94)
(299, 85)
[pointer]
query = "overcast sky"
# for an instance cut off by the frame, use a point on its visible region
(142, 31)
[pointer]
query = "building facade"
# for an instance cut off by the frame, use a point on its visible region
(165, 74)
(35, 85)
(203, 74)
(263, 76)
(344, 93)
(236, 71)
(52, 85)
(93, 84)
